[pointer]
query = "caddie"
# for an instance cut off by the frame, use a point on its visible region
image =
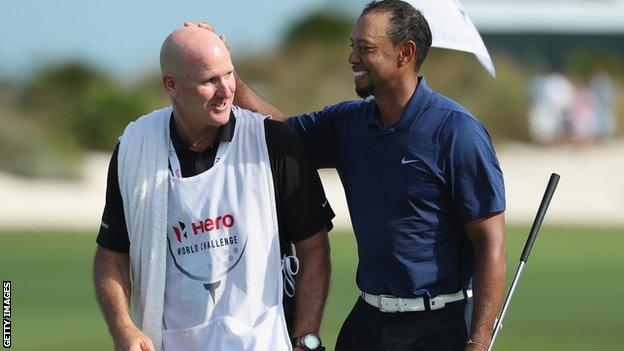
(203, 202)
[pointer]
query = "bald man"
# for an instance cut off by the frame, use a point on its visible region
(203, 202)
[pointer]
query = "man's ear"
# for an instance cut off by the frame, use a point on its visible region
(169, 84)
(407, 53)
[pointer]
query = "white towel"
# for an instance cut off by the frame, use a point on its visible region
(143, 181)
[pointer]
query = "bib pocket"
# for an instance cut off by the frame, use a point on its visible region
(227, 333)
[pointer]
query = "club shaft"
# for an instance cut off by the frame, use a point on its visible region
(499, 322)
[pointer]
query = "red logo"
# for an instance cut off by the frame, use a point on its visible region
(204, 226)
(210, 224)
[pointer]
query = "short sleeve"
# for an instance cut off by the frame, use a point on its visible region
(319, 133)
(113, 233)
(475, 175)
(302, 208)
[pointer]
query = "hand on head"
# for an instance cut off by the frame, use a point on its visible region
(209, 27)
(199, 24)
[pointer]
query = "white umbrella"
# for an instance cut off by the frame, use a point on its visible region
(451, 28)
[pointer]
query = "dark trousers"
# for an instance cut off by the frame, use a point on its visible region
(366, 328)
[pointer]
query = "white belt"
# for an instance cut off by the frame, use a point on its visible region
(389, 303)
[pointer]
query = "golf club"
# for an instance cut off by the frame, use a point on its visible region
(537, 223)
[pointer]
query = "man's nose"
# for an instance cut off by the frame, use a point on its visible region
(353, 57)
(225, 89)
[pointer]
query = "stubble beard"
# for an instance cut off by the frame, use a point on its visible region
(365, 91)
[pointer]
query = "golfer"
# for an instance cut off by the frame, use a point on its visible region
(424, 189)
(203, 201)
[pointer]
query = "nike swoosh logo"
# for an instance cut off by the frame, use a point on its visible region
(404, 161)
(324, 203)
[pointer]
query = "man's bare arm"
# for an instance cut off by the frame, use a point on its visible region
(312, 283)
(488, 239)
(111, 278)
(247, 98)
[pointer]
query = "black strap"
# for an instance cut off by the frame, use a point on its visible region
(427, 302)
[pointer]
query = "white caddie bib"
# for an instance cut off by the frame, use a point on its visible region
(224, 281)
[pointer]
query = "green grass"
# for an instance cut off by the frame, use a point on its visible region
(570, 296)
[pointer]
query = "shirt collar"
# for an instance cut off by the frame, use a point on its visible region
(226, 133)
(414, 107)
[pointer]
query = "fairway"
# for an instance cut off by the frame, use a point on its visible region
(569, 297)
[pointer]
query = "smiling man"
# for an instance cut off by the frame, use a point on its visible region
(203, 201)
(425, 193)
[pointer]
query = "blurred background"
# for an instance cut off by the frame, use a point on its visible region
(74, 73)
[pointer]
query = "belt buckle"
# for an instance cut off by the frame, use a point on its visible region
(380, 305)
(436, 304)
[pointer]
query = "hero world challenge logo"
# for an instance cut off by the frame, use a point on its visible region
(207, 249)
(205, 226)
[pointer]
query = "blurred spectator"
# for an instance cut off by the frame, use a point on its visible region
(553, 95)
(583, 117)
(602, 89)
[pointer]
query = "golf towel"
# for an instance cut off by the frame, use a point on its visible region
(143, 181)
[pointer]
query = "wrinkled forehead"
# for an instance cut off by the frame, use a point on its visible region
(372, 26)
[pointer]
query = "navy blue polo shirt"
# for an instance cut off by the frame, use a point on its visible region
(410, 188)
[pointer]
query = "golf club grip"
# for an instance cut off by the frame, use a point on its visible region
(539, 217)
